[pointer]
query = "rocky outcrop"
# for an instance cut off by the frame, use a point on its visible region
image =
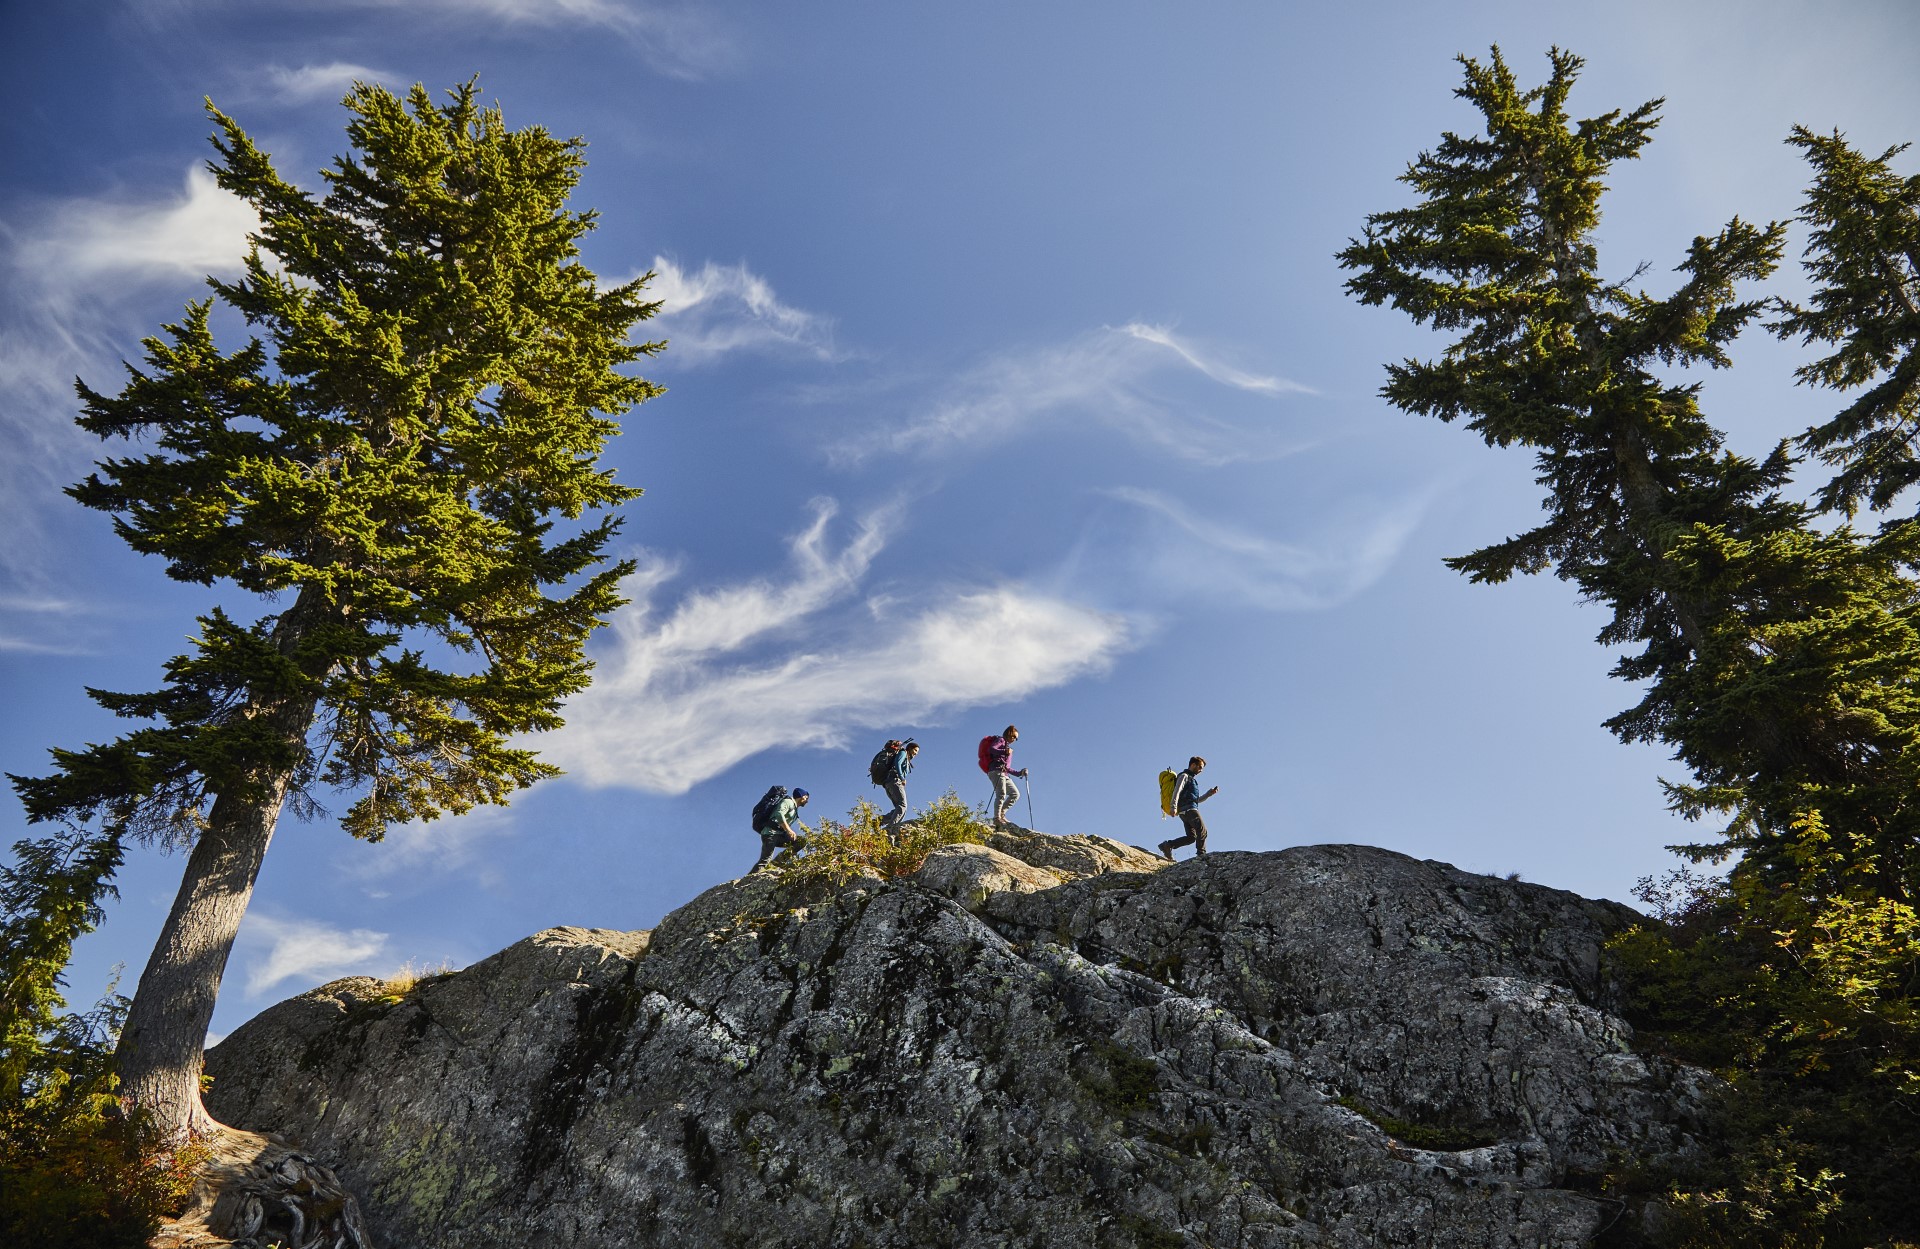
(1042, 1041)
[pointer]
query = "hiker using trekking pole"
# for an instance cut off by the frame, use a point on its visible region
(773, 818)
(1186, 804)
(996, 760)
(889, 771)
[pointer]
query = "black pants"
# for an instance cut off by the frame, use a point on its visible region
(1196, 832)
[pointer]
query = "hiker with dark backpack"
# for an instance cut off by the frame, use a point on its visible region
(996, 760)
(889, 771)
(1186, 804)
(773, 818)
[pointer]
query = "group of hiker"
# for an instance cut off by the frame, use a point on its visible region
(775, 815)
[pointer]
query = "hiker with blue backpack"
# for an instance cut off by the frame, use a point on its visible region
(773, 819)
(1185, 799)
(889, 771)
(996, 760)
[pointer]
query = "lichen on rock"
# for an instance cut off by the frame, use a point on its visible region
(1056, 1041)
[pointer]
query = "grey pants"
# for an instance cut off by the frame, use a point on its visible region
(1005, 794)
(772, 841)
(896, 791)
(1196, 832)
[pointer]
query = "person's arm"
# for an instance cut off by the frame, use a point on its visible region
(1210, 793)
(1181, 783)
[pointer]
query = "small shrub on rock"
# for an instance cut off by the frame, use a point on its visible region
(838, 851)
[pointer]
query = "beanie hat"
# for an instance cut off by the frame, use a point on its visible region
(800, 793)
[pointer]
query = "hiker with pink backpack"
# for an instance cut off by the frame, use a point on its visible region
(996, 760)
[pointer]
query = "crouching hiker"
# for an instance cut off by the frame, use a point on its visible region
(1186, 804)
(889, 771)
(773, 818)
(996, 760)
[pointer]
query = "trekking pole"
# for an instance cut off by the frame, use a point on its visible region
(1030, 820)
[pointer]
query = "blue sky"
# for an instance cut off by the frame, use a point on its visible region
(1010, 378)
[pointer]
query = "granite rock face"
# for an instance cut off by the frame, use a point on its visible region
(1057, 1041)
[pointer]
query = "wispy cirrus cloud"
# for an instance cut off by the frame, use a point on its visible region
(678, 38)
(1219, 371)
(76, 246)
(303, 84)
(41, 624)
(1188, 554)
(275, 950)
(69, 267)
(718, 310)
(681, 696)
(1123, 377)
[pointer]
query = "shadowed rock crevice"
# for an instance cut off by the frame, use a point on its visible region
(1041, 1041)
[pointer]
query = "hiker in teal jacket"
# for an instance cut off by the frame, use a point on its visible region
(778, 833)
(895, 787)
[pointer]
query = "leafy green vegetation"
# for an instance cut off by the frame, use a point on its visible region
(837, 851)
(76, 1172)
(1776, 646)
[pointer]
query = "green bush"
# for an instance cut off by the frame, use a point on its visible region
(1803, 1001)
(75, 1171)
(837, 851)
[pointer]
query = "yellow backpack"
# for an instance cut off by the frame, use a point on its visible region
(1168, 779)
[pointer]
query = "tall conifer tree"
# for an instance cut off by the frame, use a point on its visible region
(402, 468)
(1776, 654)
(1779, 657)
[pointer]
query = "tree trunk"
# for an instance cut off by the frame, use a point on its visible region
(252, 1190)
(162, 1045)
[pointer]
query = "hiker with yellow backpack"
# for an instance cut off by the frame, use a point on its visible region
(1180, 795)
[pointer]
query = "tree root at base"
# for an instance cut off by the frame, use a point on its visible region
(258, 1191)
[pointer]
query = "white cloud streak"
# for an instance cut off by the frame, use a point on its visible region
(1196, 555)
(719, 310)
(675, 700)
(1222, 373)
(1106, 376)
(89, 243)
(278, 950)
(68, 266)
(307, 83)
(681, 40)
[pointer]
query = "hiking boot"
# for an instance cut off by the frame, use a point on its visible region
(1166, 851)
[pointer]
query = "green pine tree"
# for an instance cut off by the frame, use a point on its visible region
(401, 468)
(1864, 255)
(1778, 657)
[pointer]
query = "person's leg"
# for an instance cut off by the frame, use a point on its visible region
(1005, 796)
(767, 846)
(896, 790)
(1189, 820)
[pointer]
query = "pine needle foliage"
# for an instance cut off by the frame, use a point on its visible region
(1863, 255)
(1777, 653)
(397, 479)
(437, 375)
